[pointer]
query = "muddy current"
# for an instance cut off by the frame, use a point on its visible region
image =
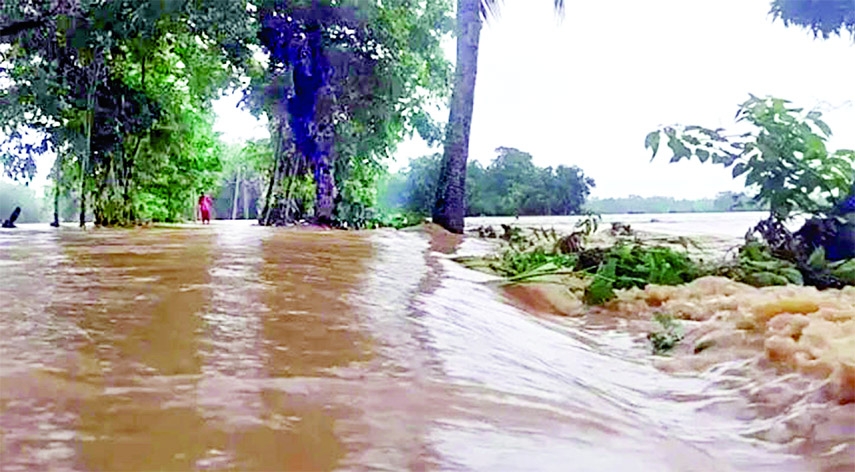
(236, 347)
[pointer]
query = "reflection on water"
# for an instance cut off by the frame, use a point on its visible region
(239, 347)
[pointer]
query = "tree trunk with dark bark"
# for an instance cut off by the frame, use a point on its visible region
(57, 178)
(325, 196)
(324, 160)
(264, 218)
(450, 206)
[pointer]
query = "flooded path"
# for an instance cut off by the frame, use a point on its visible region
(236, 347)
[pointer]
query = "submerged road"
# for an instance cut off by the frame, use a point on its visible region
(237, 347)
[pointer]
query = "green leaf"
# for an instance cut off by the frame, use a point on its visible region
(823, 126)
(739, 169)
(793, 275)
(652, 142)
(845, 271)
(702, 154)
(679, 149)
(601, 289)
(765, 279)
(817, 259)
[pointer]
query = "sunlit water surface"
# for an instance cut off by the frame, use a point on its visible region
(237, 347)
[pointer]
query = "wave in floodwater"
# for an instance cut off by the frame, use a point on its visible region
(236, 346)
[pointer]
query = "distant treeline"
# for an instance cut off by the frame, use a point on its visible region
(510, 185)
(724, 201)
(513, 185)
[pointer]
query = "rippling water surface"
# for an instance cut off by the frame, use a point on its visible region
(236, 347)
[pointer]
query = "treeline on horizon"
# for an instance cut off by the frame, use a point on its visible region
(723, 202)
(511, 184)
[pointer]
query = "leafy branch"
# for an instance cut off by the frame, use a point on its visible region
(784, 156)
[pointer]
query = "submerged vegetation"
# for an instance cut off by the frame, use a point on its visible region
(667, 336)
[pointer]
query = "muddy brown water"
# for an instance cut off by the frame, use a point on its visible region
(236, 347)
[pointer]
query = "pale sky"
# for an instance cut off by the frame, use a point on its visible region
(586, 90)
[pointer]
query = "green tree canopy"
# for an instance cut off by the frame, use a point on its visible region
(121, 90)
(510, 185)
(344, 85)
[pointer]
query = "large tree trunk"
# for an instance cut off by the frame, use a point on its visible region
(324, 162)
(325, 193)
(450, 206)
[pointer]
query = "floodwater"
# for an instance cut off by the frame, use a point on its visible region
(729, 226)
(237, 347)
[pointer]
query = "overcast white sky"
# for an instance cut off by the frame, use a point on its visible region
(585, 91)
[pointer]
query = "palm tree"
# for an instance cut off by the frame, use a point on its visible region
(450, 206)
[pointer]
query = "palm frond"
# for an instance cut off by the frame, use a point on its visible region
(491, 8)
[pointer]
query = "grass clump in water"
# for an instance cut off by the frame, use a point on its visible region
(624, 266)
(514, 263)
(669, 334)
(755, 265)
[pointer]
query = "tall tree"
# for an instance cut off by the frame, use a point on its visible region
(510, 185)
(345, 82)
(450, 206)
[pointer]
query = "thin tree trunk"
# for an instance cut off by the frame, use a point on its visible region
(57, 177)
(90, 122)
(84, 160)
(235, 196)
(265, 216)
(128, 179)
(294, 170)
(450, 206)
(56, 201)
(245, 213)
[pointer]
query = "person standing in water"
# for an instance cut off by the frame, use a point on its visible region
(205, 206)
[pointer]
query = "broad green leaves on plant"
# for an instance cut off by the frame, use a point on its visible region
(784, 157)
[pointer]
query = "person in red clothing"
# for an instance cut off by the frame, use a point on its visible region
(205, 206)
